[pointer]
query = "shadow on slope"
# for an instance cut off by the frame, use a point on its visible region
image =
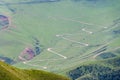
(102, 70)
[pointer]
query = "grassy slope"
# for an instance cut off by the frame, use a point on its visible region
(60, 26)
(11, 73)
(44, 22)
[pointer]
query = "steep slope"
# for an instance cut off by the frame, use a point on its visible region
(11, 73)
(59, 36)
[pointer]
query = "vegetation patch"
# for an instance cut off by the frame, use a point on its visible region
(106, 55)
(4, 22)
(96, 71)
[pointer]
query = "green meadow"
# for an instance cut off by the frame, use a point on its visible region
(70, 33)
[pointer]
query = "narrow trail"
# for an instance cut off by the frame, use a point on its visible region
(31, 63)
(45, 66)
(50, 50)
(47, 61)
(73, 20)
(83, 44)
(35, 65)
(104, 52)
(28, 2)
(90, 32)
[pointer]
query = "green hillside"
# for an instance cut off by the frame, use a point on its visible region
(60, 36)
(11, 73)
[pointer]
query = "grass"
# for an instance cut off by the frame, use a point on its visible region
(46, 20)
(11, 73)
